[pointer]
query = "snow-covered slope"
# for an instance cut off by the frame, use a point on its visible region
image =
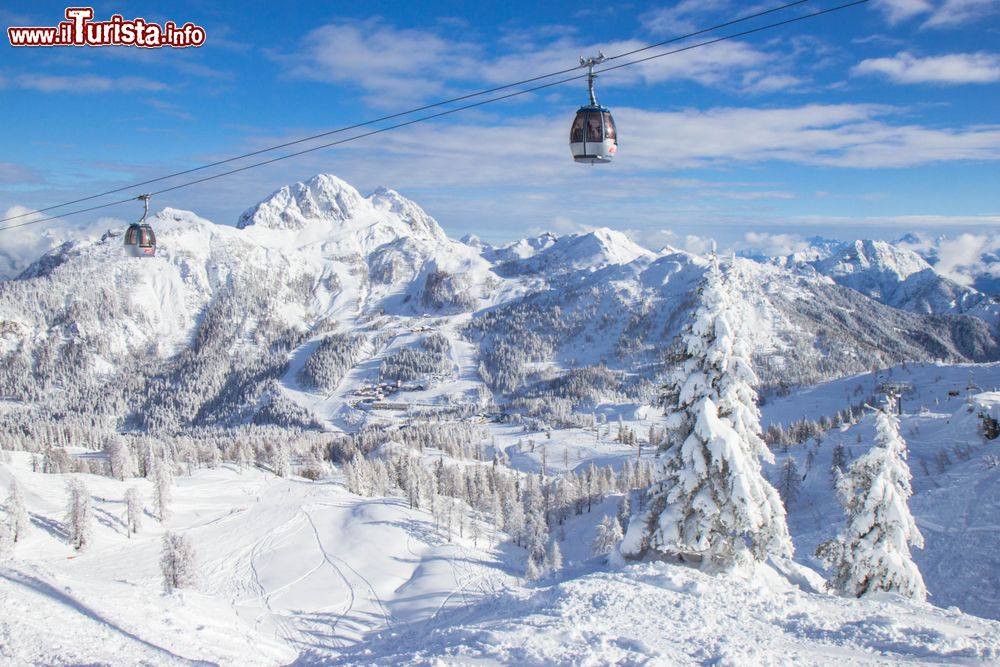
(285, 568)
(292, 570)
(661, 614)
(956, 491)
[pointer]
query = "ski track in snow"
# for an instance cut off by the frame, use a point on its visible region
(351, 594)
(267, 544)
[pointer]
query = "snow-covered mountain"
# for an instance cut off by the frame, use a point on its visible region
(553, 256)
(972, 259)
(233, 308)
(904, 274)
(902, 279)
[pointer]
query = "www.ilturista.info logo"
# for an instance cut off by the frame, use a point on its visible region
(79, 29)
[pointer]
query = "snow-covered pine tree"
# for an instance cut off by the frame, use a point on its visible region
(281, 459)
(163, 478)
(789, 481)
(6, 536)
(475, 531)
(553, 557)
(133, 511)
(119, 459)
(19, 520)
(531, 570)
(838, 461)
(536, 530)
(624, 511)
(243, 455)
(606, 536)
(872, 552)
(710, 500)
(177, 562)
(79, 514)
(350, 478)
(496, 518)
(564, 497)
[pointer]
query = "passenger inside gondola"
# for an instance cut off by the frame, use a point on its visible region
(593, 129)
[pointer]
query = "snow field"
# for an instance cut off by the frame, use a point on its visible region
(285, 567)
(291, 568)
(661, 614)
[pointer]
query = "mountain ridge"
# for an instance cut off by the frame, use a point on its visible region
(536, 315)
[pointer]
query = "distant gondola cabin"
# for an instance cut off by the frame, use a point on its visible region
(140, 241)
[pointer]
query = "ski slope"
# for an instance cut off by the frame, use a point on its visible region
(293, 571)
(287, 567)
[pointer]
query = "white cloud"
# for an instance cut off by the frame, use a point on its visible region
(746, 195)
(897, 11)
(757, 82)
(734, 65)
(940, 14)
(683, 17)
(21, 246)
(953, 13)
(86, 83)
(169, 108)
(564, 225)
(654, 239)
(699, 245)
(774, 245)
(653, 144)
(898, 222)
(390, 64)
(960, 258)
(953, 68)
(394, 66)
(17, 173)
(844, 135)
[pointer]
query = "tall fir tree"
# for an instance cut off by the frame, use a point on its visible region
(79, 514)
(133, 511)
(710, 502)
(553, 557)
(872, 552)
(281, 459)
(163, 479)
(177, 562)
(607, 534)
(19, 520)
(119, 459)
(789, 481)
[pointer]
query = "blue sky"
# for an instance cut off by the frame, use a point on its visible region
(870, 122)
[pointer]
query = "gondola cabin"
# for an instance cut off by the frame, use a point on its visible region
(593, 138)
(140, 241)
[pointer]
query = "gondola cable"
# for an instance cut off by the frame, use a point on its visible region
(422, 118)
(397, 115)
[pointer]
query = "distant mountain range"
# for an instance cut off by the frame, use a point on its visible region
(203, 333)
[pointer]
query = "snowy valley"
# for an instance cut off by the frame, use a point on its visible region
(386, 446)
